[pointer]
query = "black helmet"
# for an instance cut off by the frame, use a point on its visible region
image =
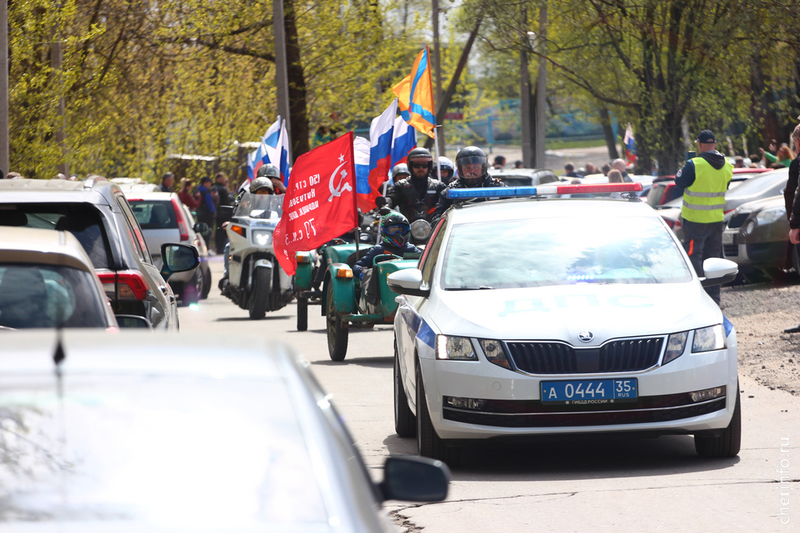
(395, 229)
(268, 171)
(422, 154)
(399, 170)
(262, 185)
(471, 155)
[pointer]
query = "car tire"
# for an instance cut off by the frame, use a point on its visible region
(728, 443)
(302, 313)
(337, 335)
(206, 283)
(259, 294)
(405, 423)
(428, 442)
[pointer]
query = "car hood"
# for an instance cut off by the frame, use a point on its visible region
(561, 312)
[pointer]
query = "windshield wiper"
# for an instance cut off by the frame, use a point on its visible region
(482, 287)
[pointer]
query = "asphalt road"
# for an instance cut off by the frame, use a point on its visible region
(590, 485)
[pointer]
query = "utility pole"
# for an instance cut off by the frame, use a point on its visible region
(4, 144)
(525, 96)
(541, 88)
(437, 64)
(281, 75)
(56, 61)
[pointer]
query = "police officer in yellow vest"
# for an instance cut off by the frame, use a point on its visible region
(705, 179)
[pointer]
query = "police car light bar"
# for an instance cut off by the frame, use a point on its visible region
(520, 192)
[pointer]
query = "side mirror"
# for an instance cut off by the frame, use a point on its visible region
(414, 479)
(718, 271)
(133, 321)
(202, 228)
(177, 258)
(407, 281)
(380, 201)
(224, 212)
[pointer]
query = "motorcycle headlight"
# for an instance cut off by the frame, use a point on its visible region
(768, 216)
(456, 348)
(708, 339)
(262, 237)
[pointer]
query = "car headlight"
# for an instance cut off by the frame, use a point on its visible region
(262, 237)
(708, 339)
(768, 216)
(676, 344)
(493, 350)
(457, 348)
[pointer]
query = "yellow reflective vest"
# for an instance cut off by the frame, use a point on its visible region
(704, 200)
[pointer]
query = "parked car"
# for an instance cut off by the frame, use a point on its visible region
(139, 185)
(164, 218)
(159, 433)
(764, 185)
(756, 238)
(524, 177)
(645, 180)
(527, 318)
(47, 281)
(96, 212)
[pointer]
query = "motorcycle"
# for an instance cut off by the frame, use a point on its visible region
(255, 281)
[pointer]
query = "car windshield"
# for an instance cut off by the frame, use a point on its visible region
(47, 296)
(154, 214)
(260, 206)
(759, 184)
(564, 251)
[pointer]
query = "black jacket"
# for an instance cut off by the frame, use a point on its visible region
(445, 202)
(366, 261)
(415, 203)
(790, 194)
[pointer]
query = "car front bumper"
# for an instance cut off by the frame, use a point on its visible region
(509, 403)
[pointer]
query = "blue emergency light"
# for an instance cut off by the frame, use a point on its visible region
(521, 192)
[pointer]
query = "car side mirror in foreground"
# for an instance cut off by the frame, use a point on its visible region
(178, 258)
(414, 479)
(202, 228)
(133, 321)
(718, 271)
(407, 281)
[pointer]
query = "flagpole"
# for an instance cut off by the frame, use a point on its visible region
(436, 144)
(355, 197)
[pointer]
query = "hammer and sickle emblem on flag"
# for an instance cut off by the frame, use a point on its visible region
(337, 191)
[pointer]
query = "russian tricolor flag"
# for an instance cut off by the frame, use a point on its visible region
(261, 155)
(361, 155)
(282, 154)
(403, 141)
(381, 133)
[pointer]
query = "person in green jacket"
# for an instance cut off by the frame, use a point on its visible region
(784, 156)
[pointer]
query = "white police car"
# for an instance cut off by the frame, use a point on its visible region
(533, 316)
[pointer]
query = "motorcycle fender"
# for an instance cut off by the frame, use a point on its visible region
(344, 289)
(302, 276)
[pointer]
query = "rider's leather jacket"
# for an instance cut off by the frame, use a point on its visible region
(406, 198)
(444, 202)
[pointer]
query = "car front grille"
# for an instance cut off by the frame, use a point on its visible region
(555, 358)
(736, 221)
(730, 250)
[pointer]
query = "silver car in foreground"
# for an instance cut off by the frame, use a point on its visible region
(160, 432)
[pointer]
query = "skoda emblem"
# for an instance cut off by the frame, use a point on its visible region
(586, 336)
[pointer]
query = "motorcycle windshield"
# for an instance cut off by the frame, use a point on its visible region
(264, 206)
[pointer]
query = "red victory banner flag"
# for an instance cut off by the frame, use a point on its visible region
(320, 201)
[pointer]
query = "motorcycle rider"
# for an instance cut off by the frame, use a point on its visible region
(416, 196)
(448, 170)
(473, 172)
(394, 233)
(262, 185)
(400, 172)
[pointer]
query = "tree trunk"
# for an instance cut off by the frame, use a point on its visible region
(297, 84)
(608, 133)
